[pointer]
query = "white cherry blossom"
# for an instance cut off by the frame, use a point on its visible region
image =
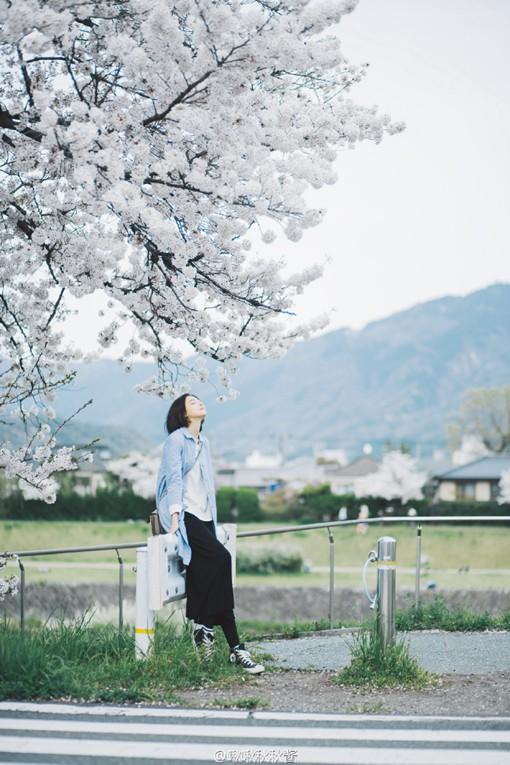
(504, 488)
(139, 470)
(396, 478)
(142, 143)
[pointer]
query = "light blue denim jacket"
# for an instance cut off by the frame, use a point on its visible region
(179, 452)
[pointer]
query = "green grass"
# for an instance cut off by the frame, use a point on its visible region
(437, 615)
(448, 548)
(36, 535)
(82, 662)
(373, 666)
(256, 629)
(433, 615)
(47, 571)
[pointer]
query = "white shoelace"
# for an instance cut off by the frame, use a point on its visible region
(244, 656)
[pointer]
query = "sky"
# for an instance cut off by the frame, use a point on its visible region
(424, 213)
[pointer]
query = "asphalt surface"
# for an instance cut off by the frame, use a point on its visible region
(65, 734)
(463, 653)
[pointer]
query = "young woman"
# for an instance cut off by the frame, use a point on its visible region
(186, 502)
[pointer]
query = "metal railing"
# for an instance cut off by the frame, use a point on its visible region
(415, 520)
(17, 556)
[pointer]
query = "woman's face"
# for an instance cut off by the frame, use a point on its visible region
(195, 408)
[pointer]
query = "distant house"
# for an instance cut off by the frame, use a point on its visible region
(306, 471)
(89, 477)
(258, 460)
(343, 480)
(264, 479)
(477, 480)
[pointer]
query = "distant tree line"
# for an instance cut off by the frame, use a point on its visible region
(314, 504)
(120, 503)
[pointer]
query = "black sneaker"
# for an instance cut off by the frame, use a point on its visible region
(203, 641)
(240, 655)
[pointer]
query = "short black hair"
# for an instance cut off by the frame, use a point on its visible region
(176, 417)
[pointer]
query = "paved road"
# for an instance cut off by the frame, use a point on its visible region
(100, 735)
(460, 653)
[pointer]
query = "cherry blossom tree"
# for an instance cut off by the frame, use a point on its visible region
(139, 470)
(9, 585)
(471, 448)
(504, 488)
(143, 143)
(396, 478)
(483, 416)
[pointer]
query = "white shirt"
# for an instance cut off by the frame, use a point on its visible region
(195, 497)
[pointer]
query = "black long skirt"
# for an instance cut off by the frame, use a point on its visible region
(209, 591)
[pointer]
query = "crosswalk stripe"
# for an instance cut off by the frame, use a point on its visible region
(255, 732)
(174, 751)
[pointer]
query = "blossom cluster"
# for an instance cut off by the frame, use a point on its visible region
(504, 488)
(8, 586)
(139, 470)
(396, 478)
(143, 142)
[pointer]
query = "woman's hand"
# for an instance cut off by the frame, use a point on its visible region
(174, 523)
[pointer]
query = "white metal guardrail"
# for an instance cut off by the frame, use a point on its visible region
(172, 569)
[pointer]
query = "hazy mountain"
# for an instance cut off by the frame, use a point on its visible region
(396, 379)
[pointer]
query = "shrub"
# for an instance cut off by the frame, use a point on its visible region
(116, 503)
(316, 504)
(238, 505)
(466, 508)
(268, 559)
(108, 504)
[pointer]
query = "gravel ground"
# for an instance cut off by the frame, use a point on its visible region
(310, 691)
(473, 669)
(438, 651)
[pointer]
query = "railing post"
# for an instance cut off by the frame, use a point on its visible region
(386, 589)
(21, 594)
(144, 626)
(418, 567)
(121, 590)
(331, 575)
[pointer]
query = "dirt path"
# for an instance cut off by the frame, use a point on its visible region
(311, 691)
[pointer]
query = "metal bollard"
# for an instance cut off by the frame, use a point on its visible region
(386, 589)
(144, 626)
(384, 599)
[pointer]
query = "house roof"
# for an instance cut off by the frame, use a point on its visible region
(359, 467)
(484, 468)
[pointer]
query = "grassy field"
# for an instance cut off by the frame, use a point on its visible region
(483, 549)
